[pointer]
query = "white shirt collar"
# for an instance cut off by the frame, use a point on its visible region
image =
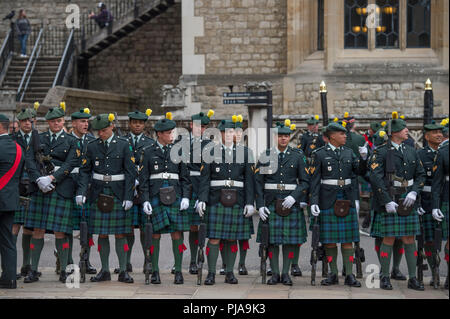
(278, 150)
(82, 137)
(138, 136)
(396, 146)
(23, 133)
(333, 148)
(57, 134)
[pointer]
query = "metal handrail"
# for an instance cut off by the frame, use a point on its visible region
(6, 49)
(68, 52)
(31, 72)
(33, 53)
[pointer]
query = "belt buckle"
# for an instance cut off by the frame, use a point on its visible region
(281, 187)
(404, 183)
(341, 182)
(229, 183)
(165, 175)
(107, 178)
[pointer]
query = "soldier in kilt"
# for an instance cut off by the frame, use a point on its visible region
(427, 155)
(439, 190)
(226, 187)
(80, 124)
(164, 185)
(23, 138)
(137, 140)
(332, 200)
(108, 164)
(277, 191)
(52, 204)
(389, 221)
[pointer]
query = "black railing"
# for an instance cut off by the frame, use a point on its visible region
(54, 40)
(6, 51)
(31, 62)
(65, 59)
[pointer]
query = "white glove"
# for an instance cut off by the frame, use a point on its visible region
(410, 199)
(49, 188)
(437, 214)
(184, 204)
(147, 208)
(249, 210)
(136, 183)
(80, 199)
(264, 213)
(391, 207)
(288, 202)
(201, 207)
(44, 182)
(127, 204)
(195, 205)
(303, 205)
(420, 211)
(315, 210)
(357, 206)
(363, 152)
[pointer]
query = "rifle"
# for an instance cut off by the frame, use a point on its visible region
(421, 266)
(436, 258)
(321, 256)
(84, 243)
(200, 255)
(263, 248)
(360, 257)
(148, 233)
(314, 251)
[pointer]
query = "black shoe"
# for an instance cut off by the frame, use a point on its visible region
(222, 270)
(296, 271)
(8, 284)
(269, 272)
(385, 283)
(351, 281)
(344, 274)
(286, 280)
(24, 270)
(18, 276)
(63, 276)
(243, 270)
(210, 279)
(193, 270)
(32, 276)
(173, 270)
(415, 284)
(178, 278)
(396, 274)
(101, 276)
(90, 270)
(432, 283)
(275, 279)
(125, 277)
(230, 279)
(116, 270)
(155, 279)
(332, 279)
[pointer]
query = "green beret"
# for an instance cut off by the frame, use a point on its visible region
(375, 126)
(239, 124)
(25, 114)
(432, 126)
(312, 121)
(3, 118)
(283, 129)
(81, 114)
(379, 140)
(397, 125)
(136, 115)
(100, 122)
(54, 113)
(201, 117)
(224, 124)
(335, 127)
(165, 125)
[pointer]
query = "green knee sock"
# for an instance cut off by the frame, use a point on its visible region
(411, 259)
(62, 246)
(378, 242)
(274, 252)
(296, 255)
(193, 244)
(224, 244)
(155, 254)
(243, 246)
(347, 258)
(69, 254)
(26, 239)
(103, 249)
(397, 254)
(231, 255)
(36, 246)
(288, 256)
(385, 257)
(177, 248)
(130, 241)
(430, 253)
(212, 253)
(331, 255)
(121, 251)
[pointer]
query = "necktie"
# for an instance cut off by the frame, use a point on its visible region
(338, 152)
(135, 141)
(106, 145)
(26, 136)
(281, 157)
(164, 149)
(53, 138)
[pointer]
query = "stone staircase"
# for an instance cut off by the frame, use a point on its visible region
(41, 80)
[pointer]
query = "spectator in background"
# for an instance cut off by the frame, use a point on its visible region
(103, 18)
(23, 31)
(14, 124)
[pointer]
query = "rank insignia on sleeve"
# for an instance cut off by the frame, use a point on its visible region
(256, 170)
(201, 168)
(83, 161)
(374, 165)
(78, 153)
(307, 170)
(133, 159)
(312, 169)
(434, 168)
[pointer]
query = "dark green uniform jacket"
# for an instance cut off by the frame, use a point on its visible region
(427, 156)
(195, 163)
(25, 187)
(63, 154)
(327, 165)
(407, 166)
(80, 150)
(354, 140)
(310, 142)
(116, 160)
(292, 170)
(440, 185)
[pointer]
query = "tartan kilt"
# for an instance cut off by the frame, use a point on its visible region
(227, 223)
(51, 212)
(285, 230)
(167, 219)
(392, 225)
(194, 218)
(136, 212)
(76, 215)
(444, 210)
(365, 186)
(118, 221)
(428, 224)
(20, 215)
